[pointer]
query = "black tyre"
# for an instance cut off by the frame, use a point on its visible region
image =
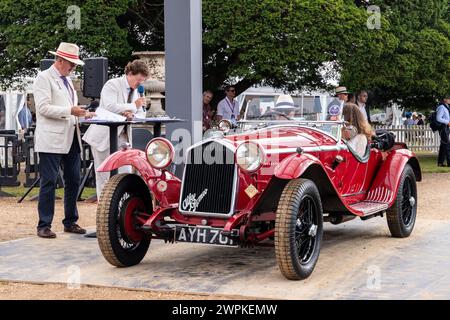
(401, 217)
(298, 229)
(124, 205)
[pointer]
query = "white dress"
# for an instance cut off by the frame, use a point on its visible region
(359, 144)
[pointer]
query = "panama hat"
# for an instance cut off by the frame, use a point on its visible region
(69, 52)
(341, 90)
(285, 101)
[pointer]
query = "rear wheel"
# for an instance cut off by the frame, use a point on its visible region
(401, 217)
(125, 204)
(298, 229)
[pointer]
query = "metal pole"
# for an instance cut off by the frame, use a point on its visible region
(183, 49)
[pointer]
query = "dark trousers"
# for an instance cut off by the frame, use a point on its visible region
(49, 164)
(444, 148)
(444, 153)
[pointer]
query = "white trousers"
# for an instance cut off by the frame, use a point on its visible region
(102, 177)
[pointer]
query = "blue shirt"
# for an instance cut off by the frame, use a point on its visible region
(25, 118)
(443, 116)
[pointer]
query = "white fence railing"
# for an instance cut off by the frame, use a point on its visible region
(417, 138)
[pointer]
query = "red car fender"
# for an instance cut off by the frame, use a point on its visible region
(385, 186)
(131, 157)
(137, 159)
(295, 165)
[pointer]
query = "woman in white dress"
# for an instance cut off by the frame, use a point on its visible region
(357, 131)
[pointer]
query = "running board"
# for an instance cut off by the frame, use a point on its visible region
(368, 208)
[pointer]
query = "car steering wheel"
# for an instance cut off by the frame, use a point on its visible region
(272, 114)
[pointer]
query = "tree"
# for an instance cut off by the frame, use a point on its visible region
(115, 28)
(285, 44)
(415, 70)
(281, 43)
(291, 44)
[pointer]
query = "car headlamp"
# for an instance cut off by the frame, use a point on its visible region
(250, 156)
(160, 153)
(224, 126)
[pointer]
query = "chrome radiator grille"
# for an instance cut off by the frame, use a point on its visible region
(209, 180)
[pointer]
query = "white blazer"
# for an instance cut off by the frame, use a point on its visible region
(113, 98)
(55, 126)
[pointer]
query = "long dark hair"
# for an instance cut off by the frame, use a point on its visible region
(353, 115)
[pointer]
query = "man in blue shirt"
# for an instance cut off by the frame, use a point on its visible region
(24, 116)
(443, 116)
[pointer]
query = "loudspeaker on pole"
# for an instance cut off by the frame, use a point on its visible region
(46, 63)
(95, 74)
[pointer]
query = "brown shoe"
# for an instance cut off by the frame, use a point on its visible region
(75, 229)
(46, 233)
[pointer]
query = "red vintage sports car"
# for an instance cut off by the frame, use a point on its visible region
(274, 183)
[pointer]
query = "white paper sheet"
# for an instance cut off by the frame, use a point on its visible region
(105, 115)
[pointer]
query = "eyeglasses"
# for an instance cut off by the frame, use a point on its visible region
(231, 90)
(72, 65)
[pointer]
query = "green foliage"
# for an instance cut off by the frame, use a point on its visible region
(114, 28)
(283, 43)
(414, 69)
(291, 44)
(29, 29)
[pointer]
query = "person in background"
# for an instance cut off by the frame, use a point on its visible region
(285, 105)
(2, 113)
(409, 121)
(443, 116)
(24, 116)
(415, 117)
(208, 114)
(118, 96)
(228, 108)
(363, 95)
(420, 121)
(357, 131)
(57, 139)
(336, 106)
(351, 98)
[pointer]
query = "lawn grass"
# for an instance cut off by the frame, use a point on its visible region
(428, 163)
(20, 191)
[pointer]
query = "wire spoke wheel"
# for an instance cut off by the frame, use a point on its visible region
(408, 201)
(128, 224)
(125, 205)
(298, 229)
(401, 217)
(305, 229)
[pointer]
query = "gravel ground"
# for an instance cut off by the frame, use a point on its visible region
(31, 291)
(19, 221)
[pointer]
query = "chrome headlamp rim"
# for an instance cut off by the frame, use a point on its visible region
(224, 125)
(261, 156)
(170, 150)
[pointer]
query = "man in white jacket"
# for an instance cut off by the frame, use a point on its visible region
(57, 139)
(121, 97)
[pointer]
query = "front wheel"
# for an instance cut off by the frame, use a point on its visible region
(298, 229)
(125, 204)
(401, 217)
